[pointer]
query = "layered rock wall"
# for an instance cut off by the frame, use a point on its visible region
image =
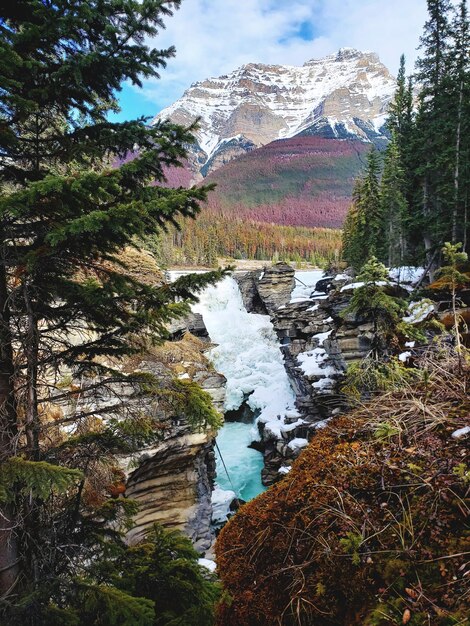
(172, 482)
(317, 343)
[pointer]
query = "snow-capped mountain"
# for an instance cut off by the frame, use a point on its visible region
(344, 95)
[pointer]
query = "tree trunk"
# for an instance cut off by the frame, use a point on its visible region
(465, 224)
(455, 211)
(32, 425)
(426, 235)
(9, 552)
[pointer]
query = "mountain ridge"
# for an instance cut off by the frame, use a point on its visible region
(342, 96)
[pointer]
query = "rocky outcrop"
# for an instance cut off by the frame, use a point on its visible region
(275, 286)
(173, 485)
(248, 285)
(264, 292)
(191, 323)
(172, 482)
(226, 152)
(317, 342)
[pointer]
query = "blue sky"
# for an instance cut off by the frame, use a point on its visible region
(213, 37)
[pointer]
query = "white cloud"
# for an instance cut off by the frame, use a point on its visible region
(213, 37)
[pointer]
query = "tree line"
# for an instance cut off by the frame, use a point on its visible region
(414, 197)
(203, 241)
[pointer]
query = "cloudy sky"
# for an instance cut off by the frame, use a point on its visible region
(213, 37)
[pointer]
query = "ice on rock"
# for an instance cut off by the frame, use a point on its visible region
(419, 311)
(305, 285)
(324, 383)
(322, 337)
(311, 361)
(284, 470)
(221, 500)
(298, 444)
(378, 283)
(406, 274)
(305, 298)
(287, 428)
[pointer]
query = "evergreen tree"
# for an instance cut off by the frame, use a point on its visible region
(459, 102)
(401, 122)
(432, 220)
(434, 146)
(452, 278)
(432, 66)
(394, 204)
(400, 112)
(351, 241)
(364, 235)
(370, 301)
(69, 307)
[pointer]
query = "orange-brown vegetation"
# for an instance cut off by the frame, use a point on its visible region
(370, 527)
(202, 241)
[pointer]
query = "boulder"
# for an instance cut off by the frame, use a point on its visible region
(192, 323)
(276, 285)
(247, 283)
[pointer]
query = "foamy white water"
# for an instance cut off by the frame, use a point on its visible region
(248, 355)
(247, 352)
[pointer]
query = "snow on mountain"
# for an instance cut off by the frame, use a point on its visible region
(344, 95)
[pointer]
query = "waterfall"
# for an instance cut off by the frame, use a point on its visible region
(248, 354)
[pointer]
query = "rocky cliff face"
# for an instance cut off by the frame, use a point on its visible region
(317, 344)
(344, 95)
(173, 481)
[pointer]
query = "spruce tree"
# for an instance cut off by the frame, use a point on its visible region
(394, 204)
(432, 218)
(459, 104)
(400, 111)
(351, 250)
(400, 122)
(68, 305)
(364, 234)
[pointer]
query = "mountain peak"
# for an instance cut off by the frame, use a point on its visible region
(344, 54)
(344, 95)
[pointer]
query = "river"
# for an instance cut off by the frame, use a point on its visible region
(249, 356)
